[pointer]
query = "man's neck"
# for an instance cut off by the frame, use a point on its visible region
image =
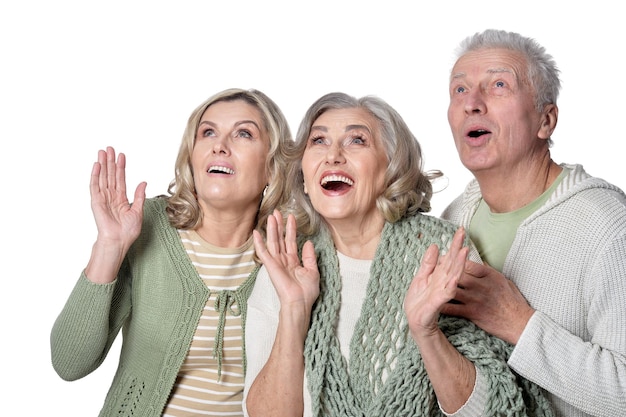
(509, 191)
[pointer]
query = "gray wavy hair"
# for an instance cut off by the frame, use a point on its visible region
(408, 188)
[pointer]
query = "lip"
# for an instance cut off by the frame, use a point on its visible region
(221, 168)
(470, 137)
(338, 176)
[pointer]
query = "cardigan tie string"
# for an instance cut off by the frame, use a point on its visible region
(227, 301)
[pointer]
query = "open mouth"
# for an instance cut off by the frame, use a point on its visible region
(216, 169)
(477, 133)
(336, 182)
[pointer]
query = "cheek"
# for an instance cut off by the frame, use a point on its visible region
(454, 108)
(375, 171)
(258, 171)
(198, 153)
(380, 184)
(195, 164)
(307, 167)
(450, 114)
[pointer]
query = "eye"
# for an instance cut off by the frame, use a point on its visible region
(355, 140)
(500, 84)
(207, 132)
(316, 140)
(244, 134)
(459, 89)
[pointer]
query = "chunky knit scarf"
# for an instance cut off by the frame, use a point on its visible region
(386, 375)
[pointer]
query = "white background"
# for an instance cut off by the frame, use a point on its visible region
(78, 76)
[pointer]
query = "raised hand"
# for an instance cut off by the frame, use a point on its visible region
(116, 219)
(118, 222)
(296, 283)
(434, 285)
(278, 388)
(452, 375)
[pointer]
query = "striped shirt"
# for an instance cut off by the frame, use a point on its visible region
(202, 388)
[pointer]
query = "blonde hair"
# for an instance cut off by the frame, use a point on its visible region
(183, 209)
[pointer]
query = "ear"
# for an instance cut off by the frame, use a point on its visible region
(549, 118)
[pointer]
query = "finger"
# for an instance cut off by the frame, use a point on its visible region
(457, 242)
(427, 265)
(451, 264)
(291, 244)
(259, 246)
(94, 182)
(102, 161)
(309, 260)
(280, 230)
(475, 270)
(271, 243)
(454, 309)
(140, 197)
(110, 167)
(120, 174)
(457, 268)
(429, 260)
(462, 295)
(475, 275)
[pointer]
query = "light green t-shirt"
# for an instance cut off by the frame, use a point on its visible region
(493, 233)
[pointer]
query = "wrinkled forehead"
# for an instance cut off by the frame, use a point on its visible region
(348, 118)
(489, 61)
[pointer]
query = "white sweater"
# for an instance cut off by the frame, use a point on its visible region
(262, 322)
(569, 261)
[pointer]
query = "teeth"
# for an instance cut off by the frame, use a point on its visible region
(217, 168)
(335, 178)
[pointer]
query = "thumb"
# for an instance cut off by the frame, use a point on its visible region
(475, 269)
(309, 260)
(429, 260)
(259, 245)
(140, 196)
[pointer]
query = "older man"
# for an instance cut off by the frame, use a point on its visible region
(553, 237)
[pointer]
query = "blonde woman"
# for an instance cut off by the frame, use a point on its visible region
(173, 273)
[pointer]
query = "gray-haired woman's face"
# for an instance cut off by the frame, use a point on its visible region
(344, 165)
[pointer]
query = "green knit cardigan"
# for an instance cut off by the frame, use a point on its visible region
(382, 345)
(156, 301)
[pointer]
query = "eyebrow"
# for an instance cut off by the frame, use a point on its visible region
(241, 122)
(489, 71)
(458, 75)
(347, 129)
(500, 70)
(355, 127)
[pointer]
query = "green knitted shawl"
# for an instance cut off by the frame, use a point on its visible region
(386, 375)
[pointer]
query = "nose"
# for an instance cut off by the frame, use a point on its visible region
(474, 102)
(220, 145)
(335, 154)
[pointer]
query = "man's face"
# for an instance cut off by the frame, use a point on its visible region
(492, 114)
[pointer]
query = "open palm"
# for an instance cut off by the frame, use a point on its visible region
(118, 222)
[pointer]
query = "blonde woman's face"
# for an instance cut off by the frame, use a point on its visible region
(228, 158)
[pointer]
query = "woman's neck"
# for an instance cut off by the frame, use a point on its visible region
(358, 240)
